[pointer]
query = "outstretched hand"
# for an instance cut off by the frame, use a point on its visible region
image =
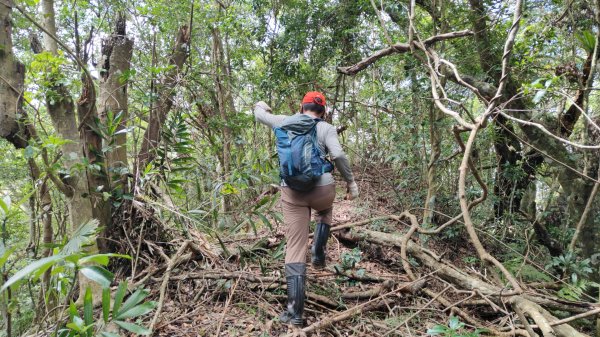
(351, 191)
(262, 105)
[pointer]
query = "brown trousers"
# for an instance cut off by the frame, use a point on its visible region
(296, 217)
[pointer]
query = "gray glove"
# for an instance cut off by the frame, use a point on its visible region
(263, 106)
(352, 191)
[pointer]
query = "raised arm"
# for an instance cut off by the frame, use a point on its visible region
(338, 156)
(263, 115)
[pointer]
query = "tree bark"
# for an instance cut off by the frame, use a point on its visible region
(116, 61)
(49, 22)
(97, 177)
(223, 94)
(61, 109)
(12, 76)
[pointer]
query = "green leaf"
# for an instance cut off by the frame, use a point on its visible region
(5, 254)
(72, 310)
(38, 267)
(133, 300)
(437, 330)
(5, 204)
(262, 202)
(98, 274)
(77, 324)
(133, 328)
(137, 311)
(119, 295)
(454, 323)
(539, 95)
(105, 304)
(265, 220)
(84, 235)
(88, 308)
(587, 40)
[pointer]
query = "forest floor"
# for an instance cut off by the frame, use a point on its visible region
(364, 290)
(236, 286)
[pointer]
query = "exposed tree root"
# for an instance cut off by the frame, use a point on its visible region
(527, 303)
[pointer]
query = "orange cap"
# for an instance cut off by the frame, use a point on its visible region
(314, 97)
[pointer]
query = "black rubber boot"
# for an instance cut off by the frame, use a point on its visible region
(295, 274)
(319, 244)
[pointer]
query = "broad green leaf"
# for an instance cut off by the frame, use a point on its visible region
(38, 267)
(265, 220)
(74, 327)
(84, 235)
(262, 202)
(120, 294)
(5, 254)
(133, 300)
(5, 204)
(98, 274)
(137, 311)
(133, 328)
(88, 308)
(29, 152)
(539, 95)
(105, 304)
(454, 323)
(437, 330)
(72, 310)
(77, 324)
(588, 40)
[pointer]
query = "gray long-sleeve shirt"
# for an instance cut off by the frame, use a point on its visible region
(326, 136)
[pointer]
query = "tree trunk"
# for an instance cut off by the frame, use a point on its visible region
(223, 97)
(62, 113)
(11, 83)
(97, 177)
(433, 182)
(588, 223)
(166, 91)
(12, 74)
(116, 57)
(49, 22)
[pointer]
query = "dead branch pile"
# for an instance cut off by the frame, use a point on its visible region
(403, 290)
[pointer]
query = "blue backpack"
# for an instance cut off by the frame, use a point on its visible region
(301, 161)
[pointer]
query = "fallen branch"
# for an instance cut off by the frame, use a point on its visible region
(369, 305)
(408, 288)
(174, 261)
(528, 302)
(361, 223)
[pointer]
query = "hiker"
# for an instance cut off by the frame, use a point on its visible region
(298, 194)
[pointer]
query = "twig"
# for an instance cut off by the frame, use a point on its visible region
(418, 311)
(484, 255)
(546, 131)
(163, 288)
(374, 303)
(525, 322)
(585, 215)
(227, 303)
(368, 293)
(572, 318)
(361, 223)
